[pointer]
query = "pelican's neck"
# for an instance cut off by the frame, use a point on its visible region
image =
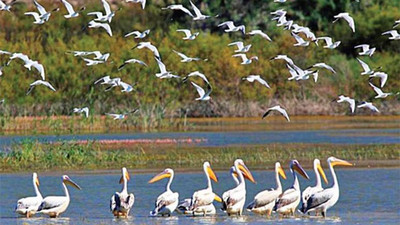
(65, 190)
(36, 189)
(278, 181)
(335, 183)
(318, 183)
(208, 179)
(235, 179)
(125, 187)
(296, 184)
(242, 183)
(168, 186)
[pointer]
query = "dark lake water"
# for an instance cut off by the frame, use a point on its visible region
(367, 196)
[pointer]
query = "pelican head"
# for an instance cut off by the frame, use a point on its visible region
(35, 179)
(167, 173)
(125, 175)
(338, 162)
(295, 165)
(317, 164)
(279, 170)
(67, 180)
(243, 168)
(209, 171)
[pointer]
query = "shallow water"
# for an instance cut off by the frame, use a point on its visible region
(368, 196)
(213, 139)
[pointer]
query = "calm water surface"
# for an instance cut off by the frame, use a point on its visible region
(368, 196)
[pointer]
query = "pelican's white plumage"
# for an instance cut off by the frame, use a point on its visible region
(122, 202)
(279, 109)
(167, 202)
(252, 78)
(349, 100)
(264, 201)
(259, 32)
(226, 194)
(28, 206)
(346, 17)
(55, 205)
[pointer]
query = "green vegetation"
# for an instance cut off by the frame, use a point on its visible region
(165, 99)
(66, 156)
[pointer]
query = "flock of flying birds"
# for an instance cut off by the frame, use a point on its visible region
(102, 20)
(314, 198)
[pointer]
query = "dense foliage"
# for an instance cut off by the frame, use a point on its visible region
(48, 43)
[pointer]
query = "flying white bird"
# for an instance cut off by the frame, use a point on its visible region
(300, 40)
(284, 57)
(203, 96)
(138, 34)
(186, 58)
(131, 61)
(367, 70)
(305, 30)
(394, 34)
(379, 92)
(346, 17)
(280, 1)
(366, 50)
(39, 82)
(252, 78)
(368, 105)
(71, 12)
(142, 2)
(39, 67)
(329, 42)
(240, 46)
(6, 7)
(121, 116)
(100, 56)
(259, 32)
(349, 100)
(396, 23)
(107, 17)
(163, 70)
(189, 35)
(199, 15)
(179, 7)
(323, 65)
(82, 110)
(90, 62)
(279, 109)
(246, 60)
(383, 76)
(43, 15)
(105, 80)
(196, 73)
(125, 86)
(148, 45)
(232, 28)
(105, 26)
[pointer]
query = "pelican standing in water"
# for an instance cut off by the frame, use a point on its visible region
(167, 202)
(55, 205)
(122, 202)
(264, 201)
(201, 202)
(318, 185)
(290, 199)
(226, 194)
(28, 206)
(235, 198)
(327, 198)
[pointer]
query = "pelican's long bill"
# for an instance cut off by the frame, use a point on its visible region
(217, 198)
(321, 171)
(126, 174)
(281, 172)
(37, 181)
(300, 170)
(211, 174)
(72, 183)
(340, 162)
(246, 172)
(160, 176)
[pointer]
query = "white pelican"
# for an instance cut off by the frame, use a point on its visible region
(346, 17)
(240, 46)
(203, 96)
(138, 34)
(246, 60)
(39, 82)
(306, 194)
(383, 76)
(394, 34)
(84, 110)
(197, 12)
(28, 206)
(131, 61)
(232, 28)
(329, 42)
(185, 58)
(323, 65)
(148, 45)
(122, 202)
(252, 78)
(189, 35)
(264, 201)
(202, 200)
(55, 205)
(367, 70)
(290, 199)
(236, 197)
(366, 50)
(71, 12)
(179, 7)
(279, 109)
(167, 202)
(379, 92)
(327, 198)
(259, 32)
(300, 40)
(368, 105)
(6, 7)
(142, 2)
(105, 26)
(349, 100)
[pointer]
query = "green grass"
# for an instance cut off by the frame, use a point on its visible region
(33, 156)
